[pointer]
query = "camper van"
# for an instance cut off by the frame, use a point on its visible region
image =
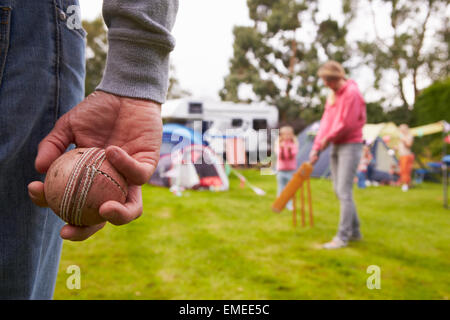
(220, 120)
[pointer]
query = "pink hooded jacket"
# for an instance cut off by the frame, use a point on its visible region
(287, 156)
(342, 122)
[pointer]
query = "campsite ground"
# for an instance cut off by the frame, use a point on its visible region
(230, 245)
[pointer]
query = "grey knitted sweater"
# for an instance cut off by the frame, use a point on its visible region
(139, 45)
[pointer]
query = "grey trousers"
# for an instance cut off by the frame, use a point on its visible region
(344, 163)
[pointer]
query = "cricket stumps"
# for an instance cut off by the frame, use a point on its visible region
(300, 177)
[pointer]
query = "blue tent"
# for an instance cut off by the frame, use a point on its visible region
(176, 136)
(305, 141)
(381, 166)
(382, 163)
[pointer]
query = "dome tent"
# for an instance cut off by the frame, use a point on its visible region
(305, 143)
(192, 167)
(176, 137)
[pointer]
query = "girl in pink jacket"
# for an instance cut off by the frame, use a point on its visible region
(341, 125)
(286, 150)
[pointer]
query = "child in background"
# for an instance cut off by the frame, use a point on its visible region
(406, 156)
(394, 172)
(363, 166)
(286, 149)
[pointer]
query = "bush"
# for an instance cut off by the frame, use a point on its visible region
(433, 104)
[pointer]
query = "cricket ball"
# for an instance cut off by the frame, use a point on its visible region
(79, 182)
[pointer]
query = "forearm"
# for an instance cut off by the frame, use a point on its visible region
(407, 142)
(139, 45)
(317, 142)
(321, 132)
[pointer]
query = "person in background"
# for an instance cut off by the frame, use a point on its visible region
(341, 125)
(395, 175)
(363, 167)
(406, 156)
(369, 174)
(286, 150)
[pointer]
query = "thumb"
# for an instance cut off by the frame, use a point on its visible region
(54, 144)
(137, 172)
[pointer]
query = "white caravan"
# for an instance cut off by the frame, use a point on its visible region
(218, 120)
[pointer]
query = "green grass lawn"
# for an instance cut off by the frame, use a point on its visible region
(230, 245)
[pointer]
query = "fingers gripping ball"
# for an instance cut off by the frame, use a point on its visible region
(79, 182)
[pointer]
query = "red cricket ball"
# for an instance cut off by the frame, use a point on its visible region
(79, 182)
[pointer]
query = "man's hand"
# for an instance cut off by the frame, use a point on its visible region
(129, 129)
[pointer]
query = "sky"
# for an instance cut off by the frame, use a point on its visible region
(204, 41)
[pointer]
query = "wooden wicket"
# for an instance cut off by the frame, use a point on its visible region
(300, 178)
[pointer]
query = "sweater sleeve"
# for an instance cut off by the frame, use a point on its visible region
(139, 42)
(322, 128)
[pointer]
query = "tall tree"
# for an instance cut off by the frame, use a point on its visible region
(96, 51)
(276, 63)
(433, 104)
(375, 113)
(409, 51)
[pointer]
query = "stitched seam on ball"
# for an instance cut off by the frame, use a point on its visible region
(77, 173)
(79, 204)
(89, 178)
(68, 192)
(69, 189)
(97, 162)
(112, 179)
(81, 178)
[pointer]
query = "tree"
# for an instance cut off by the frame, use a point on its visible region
(96, 52)
(175, 91)
(375, 113)
(409, 51)
(273, 65)
(400, 115)
(433, 104)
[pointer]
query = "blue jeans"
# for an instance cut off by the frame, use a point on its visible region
(283, 177)
(362, 177)
(42, 70)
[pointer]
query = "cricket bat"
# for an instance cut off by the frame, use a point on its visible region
(296, 182)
